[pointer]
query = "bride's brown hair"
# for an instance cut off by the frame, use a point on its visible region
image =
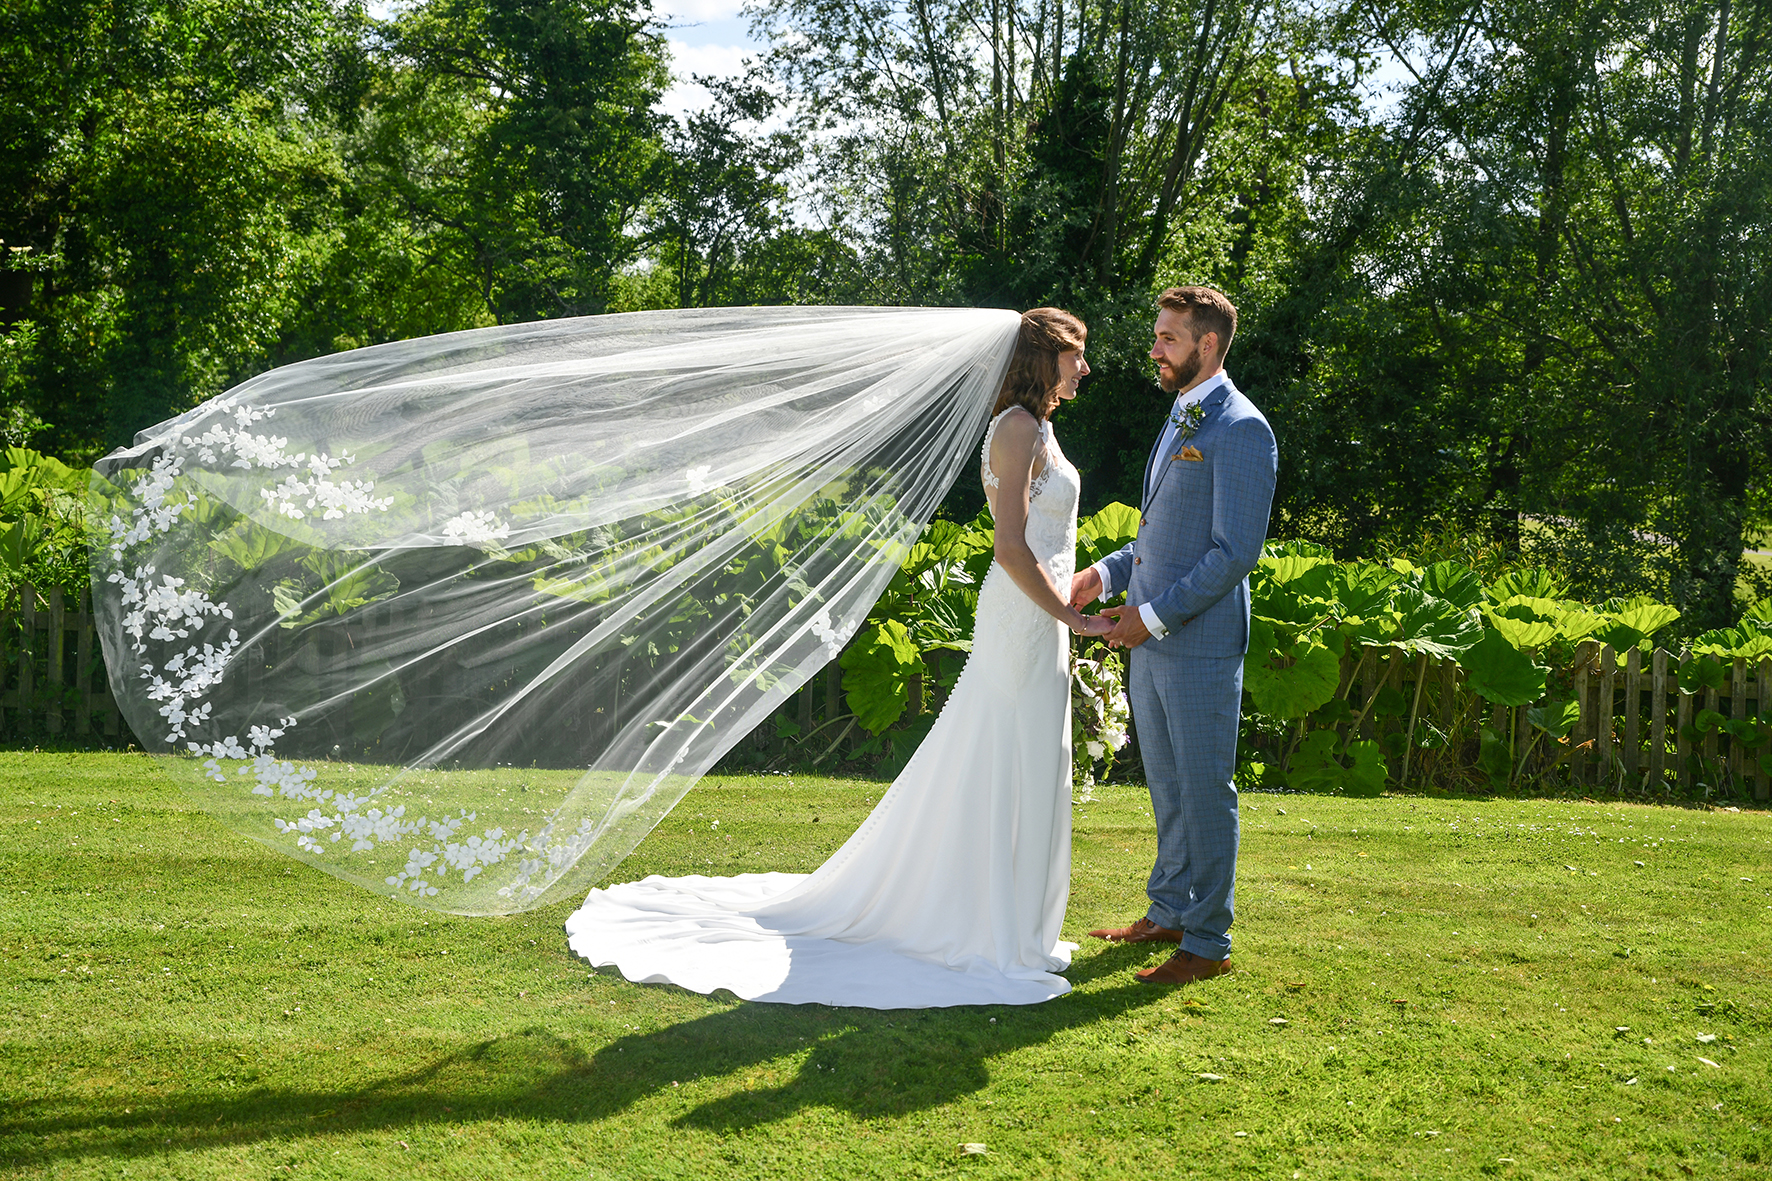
(1032, 381)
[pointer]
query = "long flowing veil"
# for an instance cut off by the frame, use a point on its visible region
(460, 619)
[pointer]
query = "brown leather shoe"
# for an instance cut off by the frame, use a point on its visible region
(1184, 967)
(1143, 931)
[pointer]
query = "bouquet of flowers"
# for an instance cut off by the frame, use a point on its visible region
(1100, 714)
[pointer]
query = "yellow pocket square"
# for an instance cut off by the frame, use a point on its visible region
(1189, 452)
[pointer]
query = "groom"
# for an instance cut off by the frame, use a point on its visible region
(1207, 489)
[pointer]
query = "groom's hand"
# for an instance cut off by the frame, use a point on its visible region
(1085, 588)
(1129, 629)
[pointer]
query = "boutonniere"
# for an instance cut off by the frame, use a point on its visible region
(1189, 452)
(1187, 421)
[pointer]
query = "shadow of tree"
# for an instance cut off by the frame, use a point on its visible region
(872, 1063)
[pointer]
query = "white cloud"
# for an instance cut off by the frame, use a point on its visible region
(720, 61)
(710, 37)
(683, 11)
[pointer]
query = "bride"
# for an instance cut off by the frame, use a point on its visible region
(953, 890)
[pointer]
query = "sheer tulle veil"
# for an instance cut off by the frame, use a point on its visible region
(460, 619)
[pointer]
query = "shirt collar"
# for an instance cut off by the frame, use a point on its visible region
(1202, 391)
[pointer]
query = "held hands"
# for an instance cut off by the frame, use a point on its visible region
(1129, 630)
(1088, 625)
(1085, 588)
(1123, 626)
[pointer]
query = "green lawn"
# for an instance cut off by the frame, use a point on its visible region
(1425, 986)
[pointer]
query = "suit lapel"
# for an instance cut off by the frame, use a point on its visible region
(1160, 464)
(1150, 465)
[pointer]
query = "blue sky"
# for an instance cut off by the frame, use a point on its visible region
(707, 37)
(713, 37)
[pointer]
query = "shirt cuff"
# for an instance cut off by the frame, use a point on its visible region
(1151, 623)
(1102, 574)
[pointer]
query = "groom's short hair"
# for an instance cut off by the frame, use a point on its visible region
(1207, 311)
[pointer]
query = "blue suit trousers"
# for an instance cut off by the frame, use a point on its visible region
(1184, 709)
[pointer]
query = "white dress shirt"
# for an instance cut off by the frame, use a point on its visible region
(1183, 400)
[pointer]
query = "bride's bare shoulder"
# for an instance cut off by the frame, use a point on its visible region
(1017, 429)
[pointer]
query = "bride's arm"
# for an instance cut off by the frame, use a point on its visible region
(1012, 459)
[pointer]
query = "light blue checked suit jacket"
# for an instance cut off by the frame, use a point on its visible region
(1203, 524)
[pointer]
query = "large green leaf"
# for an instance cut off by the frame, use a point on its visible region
(44, 469)
(1454, 583)
(1361, 588)
(1520, 633)
(1104, 533)
(941, 542)
(1292, 615)
(1750, 732)
(1291, 687)
(1317, 766)
(1633, 621)
(1297, 548)
(347, 583)
(1577, 622)
(1290, 568)
(984, 533)
(1431, 625)
(902, 744)
(946, 618)
(1535, 584)
(1501, 673)
(18, 542)
(1529, 607)
(18, 491)
(250, 545)
(1494, 758)
(877, 671)
(1369, 631)
(1555, 718)
(1530, 622)
(1748, 641)
(1366, 770)
(1314, 765)
(1261, 646)
(1700, 673)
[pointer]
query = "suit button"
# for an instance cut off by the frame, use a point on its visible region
(1138, 561)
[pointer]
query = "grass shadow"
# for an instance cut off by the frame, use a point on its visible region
(871, 1063)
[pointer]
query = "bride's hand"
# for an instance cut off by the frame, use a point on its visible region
(1090, 625)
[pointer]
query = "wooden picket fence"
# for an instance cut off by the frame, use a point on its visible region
(52, 680)
(1629, 736)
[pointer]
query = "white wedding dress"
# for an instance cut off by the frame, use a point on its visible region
(953, 890)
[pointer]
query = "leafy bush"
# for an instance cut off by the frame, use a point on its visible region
(18, 349)
(42, 523)
(920, 631)
(1316, 621)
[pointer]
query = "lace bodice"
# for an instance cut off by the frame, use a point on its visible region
(1052, 502)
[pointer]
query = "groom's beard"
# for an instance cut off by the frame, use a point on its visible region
(1182, 375)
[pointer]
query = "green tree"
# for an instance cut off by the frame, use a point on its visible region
(1534, 304)
(212, 187)
(720, 221)
(163, 161)
(521, 143)
(1015, 153)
